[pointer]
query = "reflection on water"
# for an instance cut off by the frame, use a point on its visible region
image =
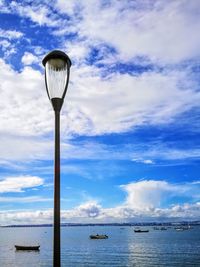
(27, 258)
(122, 248)
(168, 248)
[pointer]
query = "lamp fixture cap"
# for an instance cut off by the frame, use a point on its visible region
(57, 54)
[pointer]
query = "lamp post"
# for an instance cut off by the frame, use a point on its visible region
(57, 68)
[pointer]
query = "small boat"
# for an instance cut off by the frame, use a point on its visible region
(163, 228)
(179, 228)
(182, 228)
(98, 236)
(27, 247)
(140, 231)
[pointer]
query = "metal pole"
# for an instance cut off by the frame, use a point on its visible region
(56, 248)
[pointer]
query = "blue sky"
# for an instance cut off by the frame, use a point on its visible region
(130, 121)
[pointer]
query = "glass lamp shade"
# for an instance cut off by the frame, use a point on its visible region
(57, 65)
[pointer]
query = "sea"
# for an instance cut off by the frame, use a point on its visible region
(123, 248)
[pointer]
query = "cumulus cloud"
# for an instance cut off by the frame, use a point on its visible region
(103, 215)
(89, 209)
(160, 199)
(29, 58)
(148, 194)
(145, 201)
(19, 183)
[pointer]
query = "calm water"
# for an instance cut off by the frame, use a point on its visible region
(122, 248)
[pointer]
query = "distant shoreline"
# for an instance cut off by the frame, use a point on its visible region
(107, 224)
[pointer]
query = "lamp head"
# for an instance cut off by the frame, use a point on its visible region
(57, 68)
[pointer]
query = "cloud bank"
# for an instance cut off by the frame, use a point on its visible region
(145, 201)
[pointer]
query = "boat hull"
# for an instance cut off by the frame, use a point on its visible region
(141, 231)
(36, 248)
(98, 236)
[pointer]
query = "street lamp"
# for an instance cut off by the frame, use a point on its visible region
(57, 68)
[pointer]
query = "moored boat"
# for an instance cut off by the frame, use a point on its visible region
(98, 236)
(182, 228)
(27, 247)
(179, 229)
(140, 231)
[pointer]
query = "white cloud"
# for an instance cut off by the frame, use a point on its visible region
(38, 13)
(24, 217)
(3, 7)
(151, 153)
(151, 98)
(96, 104)
(30, 199)
(19, 183)
(83, 214)
(66, 6)
(25, 108)
(148, 161)
(10, 34)
(145, 161)
(90, 209)
(127, 100)
(29, 58)
(165, 26)
(78, 50)
(15, 148)
(148, 194)
(144, 201)
(26, 149)
(9, 40)
(127, 27)
(161, 151)
(8, 47)
(161, 199)
(4, 44)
